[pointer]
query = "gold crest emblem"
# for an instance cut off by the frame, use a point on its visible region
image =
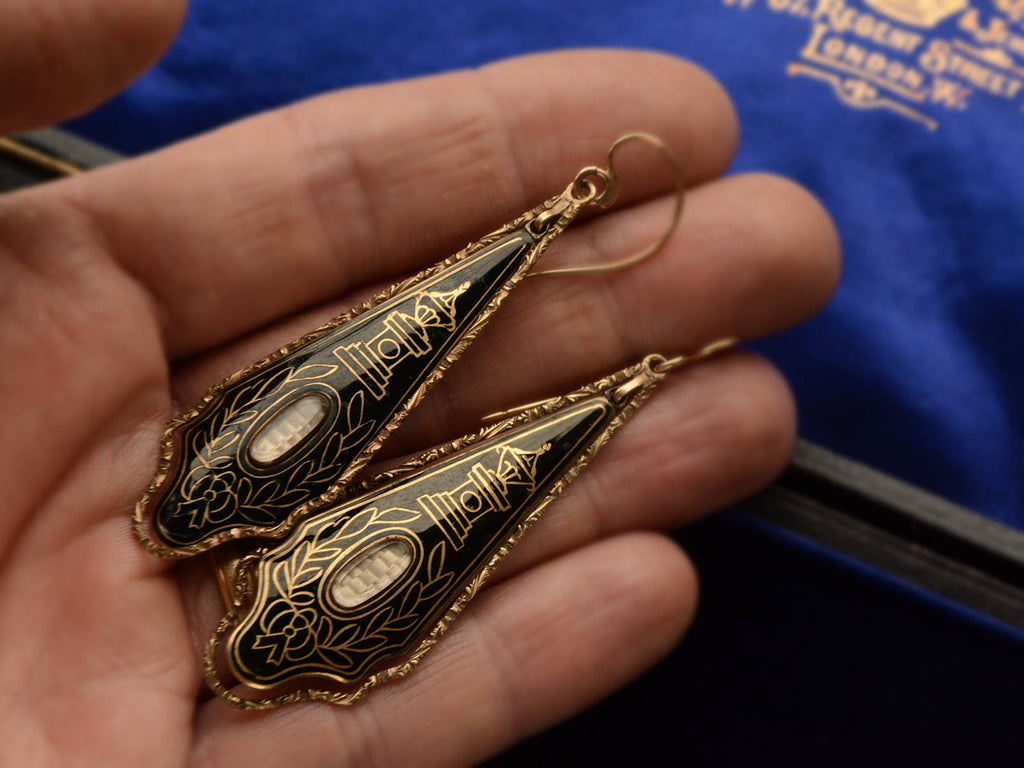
(920, 13)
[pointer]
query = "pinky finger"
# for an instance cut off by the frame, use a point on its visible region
(527, 654)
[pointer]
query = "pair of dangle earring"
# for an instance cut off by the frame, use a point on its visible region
(371, 576)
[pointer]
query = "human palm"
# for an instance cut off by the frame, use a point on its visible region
(124, 293)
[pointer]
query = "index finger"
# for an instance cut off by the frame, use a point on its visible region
(280, 212)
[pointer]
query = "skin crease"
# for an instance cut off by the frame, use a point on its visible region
(127, 290)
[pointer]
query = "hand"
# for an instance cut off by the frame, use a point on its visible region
(125, 292)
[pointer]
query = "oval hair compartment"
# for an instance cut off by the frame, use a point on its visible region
(288, 429)
(371, 572)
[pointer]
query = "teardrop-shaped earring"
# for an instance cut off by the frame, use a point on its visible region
(287, 434)
(361, 591)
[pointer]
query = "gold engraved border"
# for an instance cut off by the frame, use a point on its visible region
(245, 587)
(142, 525)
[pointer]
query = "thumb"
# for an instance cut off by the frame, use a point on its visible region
(58, 58)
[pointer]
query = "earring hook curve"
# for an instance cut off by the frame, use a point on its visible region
(585, 190)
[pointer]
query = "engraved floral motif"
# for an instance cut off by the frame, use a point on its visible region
(290, 635)
(210, 498)
(213, 493)
(334, 642)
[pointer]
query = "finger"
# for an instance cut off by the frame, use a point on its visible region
(86, 367)
(61, 57)
(710, 436)
(288, 209)
(96, 655)
(755, 254)
(526, 654)
(71, 316)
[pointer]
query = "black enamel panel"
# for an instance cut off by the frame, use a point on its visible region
(453, 516)
(366, 369)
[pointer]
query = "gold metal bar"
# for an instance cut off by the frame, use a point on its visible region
(38, 158)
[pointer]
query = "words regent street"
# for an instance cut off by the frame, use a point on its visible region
(906, 63)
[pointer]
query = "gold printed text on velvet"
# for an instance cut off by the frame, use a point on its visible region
(363, 372)
(456, 513)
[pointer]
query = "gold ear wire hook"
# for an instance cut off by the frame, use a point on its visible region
(584, 191)
(655, 368)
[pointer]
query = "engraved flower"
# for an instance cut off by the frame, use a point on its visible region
(211, 498)
(289, 635)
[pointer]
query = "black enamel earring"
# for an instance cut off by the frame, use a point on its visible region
(361, 591)
(284, 436)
